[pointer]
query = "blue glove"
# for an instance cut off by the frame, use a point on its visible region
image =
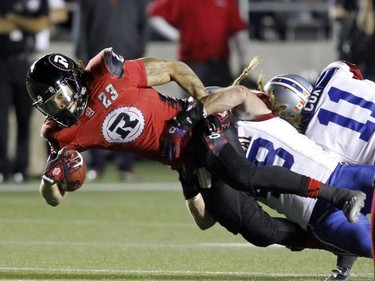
(176, 130)
(172, 138)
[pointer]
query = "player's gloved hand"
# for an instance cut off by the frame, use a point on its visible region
(218, 122)
(176, 130)
(61, 164)
(217, 132)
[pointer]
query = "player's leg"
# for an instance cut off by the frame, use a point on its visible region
(343, 267)
(223, 155)
(362, 177)
(239, 212)
(355, 177)
(221, 152)
(330, 226)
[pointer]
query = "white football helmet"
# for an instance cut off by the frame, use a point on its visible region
(291, 90)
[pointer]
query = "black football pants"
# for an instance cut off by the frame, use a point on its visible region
(239, 212)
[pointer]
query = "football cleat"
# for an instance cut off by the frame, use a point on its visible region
(353, 206)
(339, 273)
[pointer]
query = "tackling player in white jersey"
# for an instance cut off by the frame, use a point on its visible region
(343, 104)
(339, 116)
(270, 140)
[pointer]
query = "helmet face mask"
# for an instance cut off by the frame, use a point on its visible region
(55, 84)
(291, 91)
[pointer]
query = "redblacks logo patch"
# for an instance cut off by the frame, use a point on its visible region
(57, 171)
(122, 125)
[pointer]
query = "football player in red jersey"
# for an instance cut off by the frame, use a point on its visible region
(111, 105)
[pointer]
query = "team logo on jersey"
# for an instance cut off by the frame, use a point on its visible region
(123, 125)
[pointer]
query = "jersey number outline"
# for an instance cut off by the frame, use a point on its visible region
(269, 160)
(272, 153)
(113, 95)
(366, 129)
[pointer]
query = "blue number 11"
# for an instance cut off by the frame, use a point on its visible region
(365, 129)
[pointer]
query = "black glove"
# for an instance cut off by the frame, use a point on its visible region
(61, 164)
(217, 132)
(218, 122)
(176, 130)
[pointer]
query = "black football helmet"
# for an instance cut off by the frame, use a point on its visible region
(291, 90)
(55, 84)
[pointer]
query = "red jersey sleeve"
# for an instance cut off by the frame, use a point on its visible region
(51, 131)
(136, 71)
(108, 61)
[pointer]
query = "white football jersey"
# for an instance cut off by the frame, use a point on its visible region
(341, 114)
(276, 142)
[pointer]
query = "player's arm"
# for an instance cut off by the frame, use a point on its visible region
(59, 165)
(52, 193)
(6, 26)
(241, 100)
(365, 18)
(193, 198)
(163, 71)
(251, 108)
(164, 28)
(29, 24)
(240, 42)
(197, 209)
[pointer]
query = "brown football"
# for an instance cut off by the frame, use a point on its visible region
(76, 179)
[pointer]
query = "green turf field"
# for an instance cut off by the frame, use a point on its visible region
(138, 231)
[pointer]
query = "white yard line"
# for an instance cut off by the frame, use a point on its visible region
(169, 272)
(132, 244)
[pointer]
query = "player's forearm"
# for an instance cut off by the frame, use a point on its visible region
(225, 99)
(240, 42)
(163, 71)
(197, 209)
(52, 193)
(164, 28)
(58, 15)
(365, 18)
(6, 26)
(29, 24)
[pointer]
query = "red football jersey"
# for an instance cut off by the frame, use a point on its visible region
(122, 114)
